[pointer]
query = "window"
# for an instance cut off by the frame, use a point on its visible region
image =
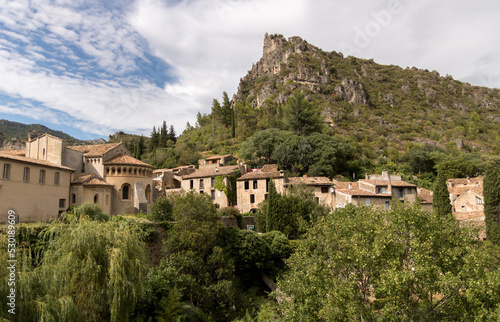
(252, 198)
(26, 174)
(265, 196)
(401, 193)
(148, 193)
(324, 189)
(387, 205)
(267, 185)
(6, 171)
(191, 184)
(213, 182)
(202, 185)
(73, 198)
(381, 189)
(43, 152)
(317, 199)
(125, 191)
(255, 184)
(247, 185)
(41, 180)
(62, 203)
(368, 202)
(57, 178)
(96, 198)
(213, 194)
(107, 199)
(479, 200)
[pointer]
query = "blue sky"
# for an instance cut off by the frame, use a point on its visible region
(91, 68)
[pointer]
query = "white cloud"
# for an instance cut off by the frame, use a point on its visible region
(210, 45)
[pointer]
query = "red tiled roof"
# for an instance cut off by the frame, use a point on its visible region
(425, 195)
(395, 183)
(261, 175)
(94, 150)
(225, 170)
(311, 181)
(126, 159)
(89, 179)
(33, 161)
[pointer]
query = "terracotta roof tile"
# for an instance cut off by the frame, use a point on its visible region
(394, 183)
(126, 159)
(33, 161)
(89, 179)
(425, 195)
(311, 181)
(261, 175)
(94, 150)
(21, 153)
(225, 170)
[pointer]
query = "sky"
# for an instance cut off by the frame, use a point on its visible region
(94, 67)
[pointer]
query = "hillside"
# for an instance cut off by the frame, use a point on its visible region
(366, 100)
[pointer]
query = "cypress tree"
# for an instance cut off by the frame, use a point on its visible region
(155, 140)
(272, 216)
(491, 193)
(441, 198)
(163, 135)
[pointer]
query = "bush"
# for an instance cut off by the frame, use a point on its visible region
(162, 210)
(87, 209)
(229, 211)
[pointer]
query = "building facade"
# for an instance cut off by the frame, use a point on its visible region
(104, 174)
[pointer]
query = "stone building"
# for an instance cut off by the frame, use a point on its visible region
(466, 196)
(170, 180)
(425, 196)
(375, 190)
(253, 187)
(105, 174)
(33, 189)
(322, 188)
(203, 181)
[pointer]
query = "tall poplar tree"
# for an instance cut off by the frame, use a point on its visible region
(491, 193)
(272, 215)
(441, 197)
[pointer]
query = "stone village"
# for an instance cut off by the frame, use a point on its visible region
(41, 182)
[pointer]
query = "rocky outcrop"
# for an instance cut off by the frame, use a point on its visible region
(352, 92)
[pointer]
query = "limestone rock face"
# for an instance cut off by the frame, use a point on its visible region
(293, 64)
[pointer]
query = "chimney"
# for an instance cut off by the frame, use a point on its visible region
(350, 186)
(385, 175)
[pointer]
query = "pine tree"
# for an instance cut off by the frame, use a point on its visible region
(155, 140)
(491, 193)
(216, 113)
(163, 135)
(226, 110)
(301, 116)
(441, 197)
(171, 134)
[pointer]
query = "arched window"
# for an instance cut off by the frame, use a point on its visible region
(107, 171)
(148, 193)
(107, 199)
(126, 192)
(57, 178)
(96, 198)
(26, 174)
(119, 171)
(73, 198)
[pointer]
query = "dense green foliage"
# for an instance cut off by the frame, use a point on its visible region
(91, 270)
(292, 213)
(491, 191)
(404, 265)
(441, 202)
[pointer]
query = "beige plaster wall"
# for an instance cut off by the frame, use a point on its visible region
(128, 206)
(244, 195)
(31, 200)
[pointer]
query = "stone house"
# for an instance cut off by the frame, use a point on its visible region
(375, 190)
(215, 161)
(425, 196)
(105, 174)
(322, 187)
(203, 180)
(170, 180)
(33, 189)
(253, 187)
(466, 196)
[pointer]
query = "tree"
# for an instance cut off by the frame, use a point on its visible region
(441, 198)
(226, 110)
(491, 191)
(404, 264)
(163, 135)
(301, 116)
(272, 208)
(155, 140)
(171, 134)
